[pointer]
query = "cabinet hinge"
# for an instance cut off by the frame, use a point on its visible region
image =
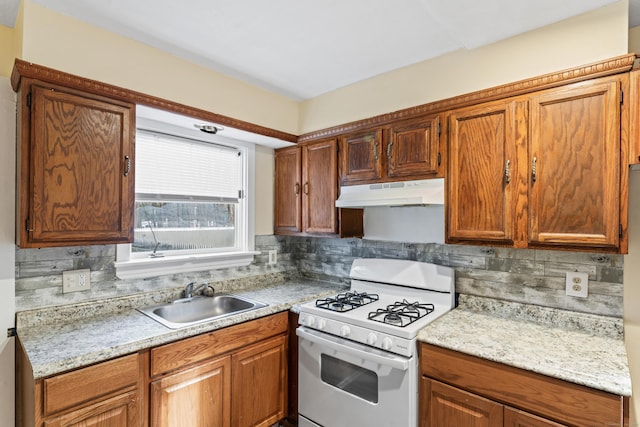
(621, 96)
(619, 230)
(240, 194)
(11, 332)
(29, 100)
(28, 224)
(439, 159)
(439, 129)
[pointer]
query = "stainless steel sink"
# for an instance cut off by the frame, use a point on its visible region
(190, 311)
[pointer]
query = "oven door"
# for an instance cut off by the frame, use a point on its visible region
(345, 384)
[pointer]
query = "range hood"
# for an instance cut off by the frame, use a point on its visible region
(405, 193)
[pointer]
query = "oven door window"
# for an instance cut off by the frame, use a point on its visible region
(350, 378)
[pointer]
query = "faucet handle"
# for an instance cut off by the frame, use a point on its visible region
(208, 290)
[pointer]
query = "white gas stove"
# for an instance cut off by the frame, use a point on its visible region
(388, 302)
(357, 349)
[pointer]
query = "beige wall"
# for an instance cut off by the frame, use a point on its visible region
(632, 273)
(66, 44)
(580, 40)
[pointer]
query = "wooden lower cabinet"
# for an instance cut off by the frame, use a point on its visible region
(236, 376)
(258, 395)
(457, 389)
(108, 394)
(197, 397)
(450, 406)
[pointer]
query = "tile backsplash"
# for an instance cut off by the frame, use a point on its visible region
(520, 275)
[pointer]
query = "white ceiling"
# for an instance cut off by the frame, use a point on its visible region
(304, 48)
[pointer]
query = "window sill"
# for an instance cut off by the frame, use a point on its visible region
(150, 267)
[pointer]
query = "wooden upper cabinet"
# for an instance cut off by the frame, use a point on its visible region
(76, 168)
(404, 150)
(320, 187)
(361, 157)
(412, 148)
(574, 155)
(482, 170)
(288, 190)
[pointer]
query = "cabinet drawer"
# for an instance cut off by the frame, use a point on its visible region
(549, 397)
(70, 389)
(199, 348)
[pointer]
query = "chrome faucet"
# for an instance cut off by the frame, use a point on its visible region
(189, 290)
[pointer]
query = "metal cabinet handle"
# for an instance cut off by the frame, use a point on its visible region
(306, 188)
(533, 169)
(127, 165)
(507, 172)
(375, 151)
(297, 188)
(389, 149)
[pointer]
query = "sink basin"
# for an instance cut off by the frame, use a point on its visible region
(190, 311)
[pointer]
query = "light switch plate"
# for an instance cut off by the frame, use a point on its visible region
(76, 280)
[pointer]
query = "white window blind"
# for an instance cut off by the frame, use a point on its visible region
(172, 168)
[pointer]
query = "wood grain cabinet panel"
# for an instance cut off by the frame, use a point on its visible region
(448, 406)
(120, 411)
(76, 168)
(288, 191)
(545, 170)
(259, 384)
(412, 148)
(197, 397)
(530, 399)
(481, 181)
(575, 165)
(361, 157)
(516, 418)
(320, 187)
(306, 189)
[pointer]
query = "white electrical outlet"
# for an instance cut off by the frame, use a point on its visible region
(273, 257)
(577, 284)
(76, 280)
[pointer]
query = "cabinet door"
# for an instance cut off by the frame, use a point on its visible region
(412, 149)
(449, 406)
(259, 384)
(80, 170)
(118, 411)
(197, 397)
(516, 418)
(361, 157)
(481, 176)
(288, 175)
(575, 165)
(320, 187)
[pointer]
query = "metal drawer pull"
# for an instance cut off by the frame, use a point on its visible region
(533, 169)
(127, 167)
(306, 188)
(375, 151)
(297, 188)
(507, 172)
(389, 149)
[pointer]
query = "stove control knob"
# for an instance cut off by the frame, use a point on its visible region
(387, 343)
(345, 331)
(310, 321)
(372, 338)
(322, 323)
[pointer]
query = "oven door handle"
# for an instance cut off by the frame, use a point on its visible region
(396, 362)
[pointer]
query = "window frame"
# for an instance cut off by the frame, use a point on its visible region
(133, 267)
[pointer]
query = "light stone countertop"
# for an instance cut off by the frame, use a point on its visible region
(583, 349)
(57, 346)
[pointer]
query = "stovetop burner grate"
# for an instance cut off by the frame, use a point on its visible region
(401, 313)
(347, 301)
